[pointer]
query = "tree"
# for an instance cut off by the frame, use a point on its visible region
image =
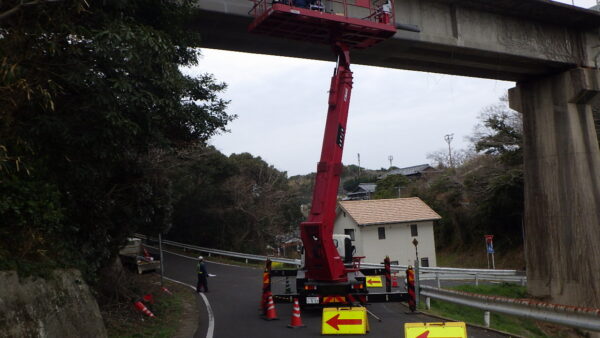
(263, 205)
(389, 187)
(238, 203)
(352, 184)
(500, 133)
(91, 92)
(441, 158)
(483, 193)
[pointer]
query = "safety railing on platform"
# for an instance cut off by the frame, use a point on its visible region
(376, 10)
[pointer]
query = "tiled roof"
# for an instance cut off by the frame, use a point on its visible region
(368, 187)
(397, 210)
(408, 171)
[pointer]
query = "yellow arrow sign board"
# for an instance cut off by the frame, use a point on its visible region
(344, 320)
(374, 282)
(435, 330)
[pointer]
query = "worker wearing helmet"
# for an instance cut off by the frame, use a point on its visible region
(202, 275)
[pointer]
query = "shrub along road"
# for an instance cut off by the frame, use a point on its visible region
(234, 299)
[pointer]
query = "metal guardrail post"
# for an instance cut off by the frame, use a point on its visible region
(486, 318)
(428, 303)
(437, 278)
(476, 279)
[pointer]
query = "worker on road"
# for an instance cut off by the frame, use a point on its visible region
(202, 275)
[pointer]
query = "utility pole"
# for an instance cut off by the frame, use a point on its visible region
(390, 158)
(449, 138)
(417, 272)
(358, 164)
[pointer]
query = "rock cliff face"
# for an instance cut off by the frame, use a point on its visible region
(61, 306)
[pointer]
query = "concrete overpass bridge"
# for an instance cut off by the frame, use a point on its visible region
(552, 51)
(501, 39)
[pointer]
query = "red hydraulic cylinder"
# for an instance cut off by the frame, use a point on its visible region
(322, 260)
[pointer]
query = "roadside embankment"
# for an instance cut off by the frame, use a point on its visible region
(60, 305)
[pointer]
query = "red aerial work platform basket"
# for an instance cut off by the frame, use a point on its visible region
(358, 24)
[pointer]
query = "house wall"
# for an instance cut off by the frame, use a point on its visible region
(397, 243)
(344, 221)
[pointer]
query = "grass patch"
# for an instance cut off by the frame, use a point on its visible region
(123, 320)
(475, 257)
(510, 324)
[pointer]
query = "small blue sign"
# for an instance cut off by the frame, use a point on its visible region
(490, 247)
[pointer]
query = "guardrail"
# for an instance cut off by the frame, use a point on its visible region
(209, 251)
(429, 273)
(583, 318)
(579, 317)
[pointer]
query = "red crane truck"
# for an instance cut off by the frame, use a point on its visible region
(325, 277)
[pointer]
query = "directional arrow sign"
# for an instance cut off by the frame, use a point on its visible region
(374, 281)
(335, 322)
(424, 334)
(344, 320)
(435, 330)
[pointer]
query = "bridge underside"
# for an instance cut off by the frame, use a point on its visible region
(458, 37)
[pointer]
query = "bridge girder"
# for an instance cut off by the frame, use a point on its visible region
(509, 40)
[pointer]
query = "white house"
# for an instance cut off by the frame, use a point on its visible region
(388, 227)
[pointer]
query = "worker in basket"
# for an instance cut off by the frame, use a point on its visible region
(385, 12)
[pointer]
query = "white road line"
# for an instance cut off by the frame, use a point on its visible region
(211, 318)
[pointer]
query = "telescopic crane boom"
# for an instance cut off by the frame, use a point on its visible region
(322, 260)
(325, 278)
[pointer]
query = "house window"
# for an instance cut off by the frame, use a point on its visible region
(425, 262)
(381, 232)
(413, 230)
(349, 232)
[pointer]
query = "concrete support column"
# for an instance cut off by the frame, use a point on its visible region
(562, 185)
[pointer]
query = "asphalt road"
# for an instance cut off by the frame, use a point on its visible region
(233, 302)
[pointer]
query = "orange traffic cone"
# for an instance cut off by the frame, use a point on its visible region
(296, 320)
(148, 298)
(263, 300)
(270, 313)
(144, 309)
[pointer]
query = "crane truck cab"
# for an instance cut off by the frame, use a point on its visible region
(343, 244)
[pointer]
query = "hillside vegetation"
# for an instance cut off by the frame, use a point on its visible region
(102, 136)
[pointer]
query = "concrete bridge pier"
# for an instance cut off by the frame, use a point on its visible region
(562, 185)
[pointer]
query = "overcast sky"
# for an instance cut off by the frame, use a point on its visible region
(397, 113)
